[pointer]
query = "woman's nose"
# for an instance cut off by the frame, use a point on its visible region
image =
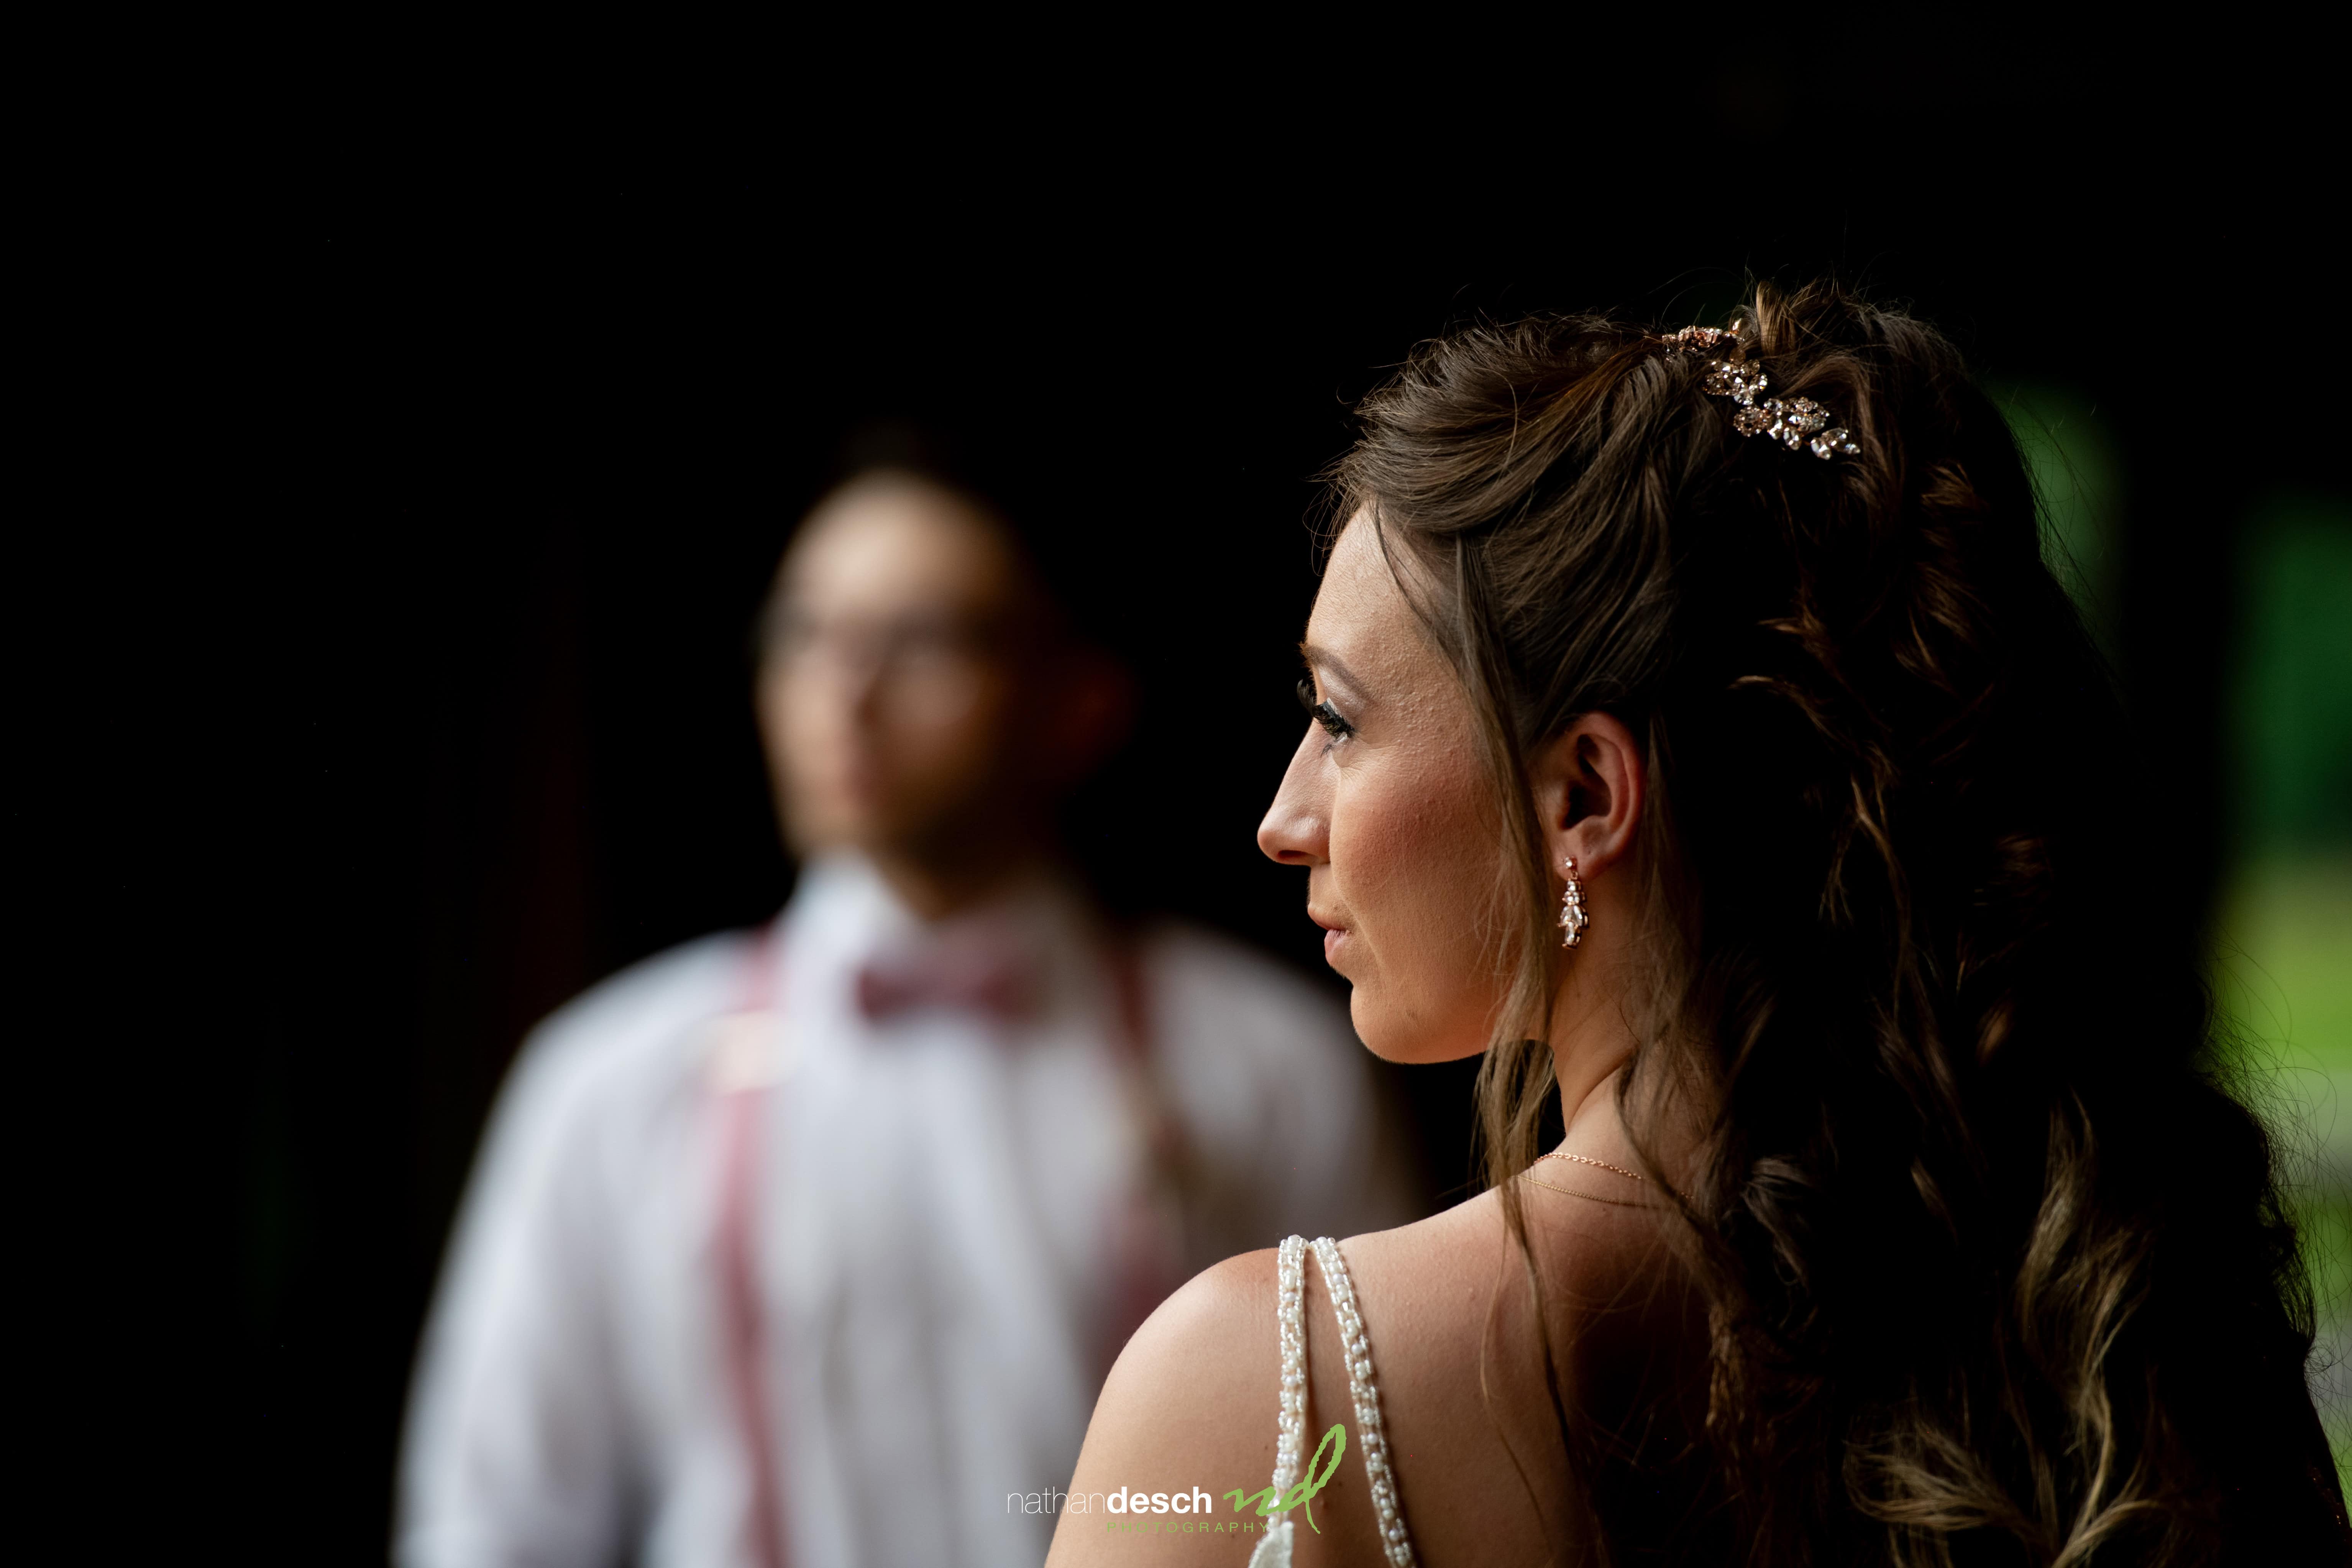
(1297, 830)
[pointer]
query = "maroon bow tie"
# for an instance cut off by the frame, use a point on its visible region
(964, 978)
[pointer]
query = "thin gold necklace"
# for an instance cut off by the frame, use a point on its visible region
(1580, 1159)
(1599, 1164)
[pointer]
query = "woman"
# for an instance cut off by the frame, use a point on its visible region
(1896, 1218)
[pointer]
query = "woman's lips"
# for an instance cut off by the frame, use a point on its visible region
(1334, 935)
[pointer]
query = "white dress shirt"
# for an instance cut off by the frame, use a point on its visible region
(936, 1233)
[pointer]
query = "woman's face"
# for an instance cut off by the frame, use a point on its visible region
(1388, 806)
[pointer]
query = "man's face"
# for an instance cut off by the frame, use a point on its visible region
(891, 687)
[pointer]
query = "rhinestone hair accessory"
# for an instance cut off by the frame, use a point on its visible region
(1794, 422)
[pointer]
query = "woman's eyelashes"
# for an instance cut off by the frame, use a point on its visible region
(1322, 712)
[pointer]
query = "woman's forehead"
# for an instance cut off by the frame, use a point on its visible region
(1360, 616)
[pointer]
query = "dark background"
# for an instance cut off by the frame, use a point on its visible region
(426, 444)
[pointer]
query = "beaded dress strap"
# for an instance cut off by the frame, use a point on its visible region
(1290, 1432)
(1371, 1432)
(1290, 1324)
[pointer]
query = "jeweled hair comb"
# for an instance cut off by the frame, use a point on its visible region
(1793, 422)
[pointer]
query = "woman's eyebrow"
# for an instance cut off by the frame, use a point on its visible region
(1324, 661)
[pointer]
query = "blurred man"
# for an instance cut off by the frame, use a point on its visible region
(813, 1245)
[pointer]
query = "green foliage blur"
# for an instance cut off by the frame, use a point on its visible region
(2279, 948)
(2282, 947)
(2293, 697)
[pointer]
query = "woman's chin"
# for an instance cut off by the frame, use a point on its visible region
(1393, 1035)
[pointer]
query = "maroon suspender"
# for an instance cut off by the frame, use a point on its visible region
(742, 1104)
(1146, 1243)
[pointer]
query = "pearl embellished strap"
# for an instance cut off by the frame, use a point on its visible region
(1290, 1434)
(1371, 1433)
(1291, 1319)
(1290, 1326)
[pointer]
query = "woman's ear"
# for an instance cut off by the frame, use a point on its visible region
(1590, 786)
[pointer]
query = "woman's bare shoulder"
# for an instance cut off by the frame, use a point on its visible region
(1205, 1367)
(1201, 1379)
(1588, 1239)
(1193, 1402)
(1189, 1408)
(1451, 1314)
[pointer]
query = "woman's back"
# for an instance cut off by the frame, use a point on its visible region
(1483, 1472)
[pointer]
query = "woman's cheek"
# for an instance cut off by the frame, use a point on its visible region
(1413, 872)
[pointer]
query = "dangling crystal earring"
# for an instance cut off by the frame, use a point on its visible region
(1572, 918)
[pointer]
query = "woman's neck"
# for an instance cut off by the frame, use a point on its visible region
(1593, 1040)
(1592, 1034)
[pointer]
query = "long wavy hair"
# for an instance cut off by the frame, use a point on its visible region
(1996, 1270)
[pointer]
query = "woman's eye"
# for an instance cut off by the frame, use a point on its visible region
(1323, 713)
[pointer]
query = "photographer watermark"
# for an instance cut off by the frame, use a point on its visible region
(1190, 1511)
